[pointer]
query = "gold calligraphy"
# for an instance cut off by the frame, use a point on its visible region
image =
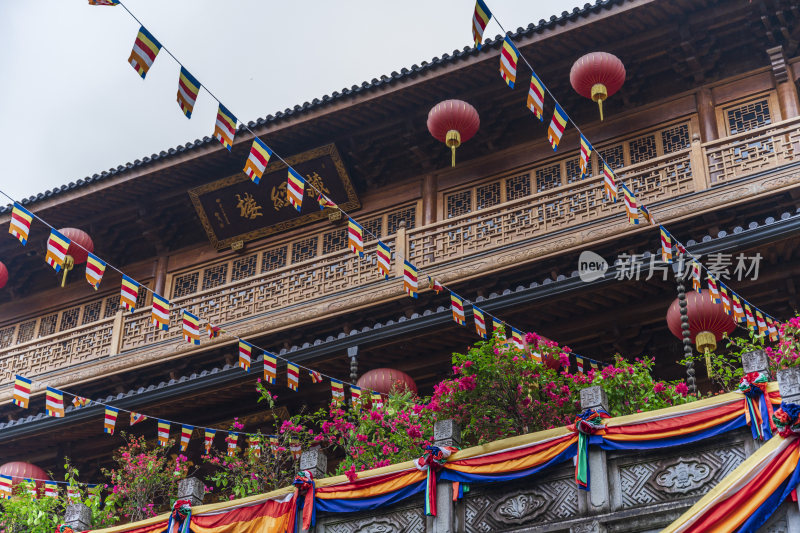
(248, 208)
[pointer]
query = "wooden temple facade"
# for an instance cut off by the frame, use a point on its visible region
(705, 131)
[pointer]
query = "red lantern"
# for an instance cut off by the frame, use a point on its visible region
(20, 471)
(3, 275)
(597, 75)
(708, 322)
(383, 380)
(76, 254)
(453, 122)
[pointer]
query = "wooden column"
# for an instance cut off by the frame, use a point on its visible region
(160, 274)
(705, 112)
(430, 197)
(784, 83)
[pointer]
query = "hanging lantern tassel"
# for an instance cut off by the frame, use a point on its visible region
(453, 140)
(69, 262)
(706, 343)
(599, 93)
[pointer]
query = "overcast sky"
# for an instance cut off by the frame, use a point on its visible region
(72, 106)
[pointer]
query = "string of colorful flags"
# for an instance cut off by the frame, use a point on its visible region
(50, 487)
(744, 313)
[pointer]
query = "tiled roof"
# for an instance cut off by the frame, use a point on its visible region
(336, 96)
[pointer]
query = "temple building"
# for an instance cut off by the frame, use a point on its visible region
(705, 131)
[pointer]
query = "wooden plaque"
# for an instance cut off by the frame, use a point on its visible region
(236, 209)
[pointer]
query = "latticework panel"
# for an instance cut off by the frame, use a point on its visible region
(185, 284)
(6, 336)
(91, 312)
(273, 259)
(548, 177)
(304, 249)
(407, 215)
(518, 187)
(244, 267)
(47, 325)
(748, 116)
(459, 203)
(373, 226)
(643, 148)
(487, 195)
(215, 276)
(614, 156)
(112, 304)
(26, 331)
(675, 138)
(69, 318)
(572, 167)
(335, 240)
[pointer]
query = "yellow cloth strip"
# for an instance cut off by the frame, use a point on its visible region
(262, 524)
(752, 464)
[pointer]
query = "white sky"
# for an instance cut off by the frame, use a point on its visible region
(72, 106)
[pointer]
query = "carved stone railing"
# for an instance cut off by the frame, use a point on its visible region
(54, 352)
(582, 202)
(753, 151)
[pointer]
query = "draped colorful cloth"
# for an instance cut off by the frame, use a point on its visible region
(589, 422)
(431, 463)
(758, 410)
(304, 487)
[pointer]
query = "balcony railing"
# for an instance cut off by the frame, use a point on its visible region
(336, 282)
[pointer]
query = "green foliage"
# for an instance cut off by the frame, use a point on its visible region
(23, 512)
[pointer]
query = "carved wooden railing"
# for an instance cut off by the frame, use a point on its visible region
(513, 222)
(753, 151)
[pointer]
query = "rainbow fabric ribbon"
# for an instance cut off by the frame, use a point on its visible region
(432, 462)
(63, 528)
(181, 517)
(787, 419)
(304, 485)
(589, 422)
(754, 388)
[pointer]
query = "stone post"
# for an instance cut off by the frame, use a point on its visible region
(755, 361)
(191, 489)
(789, 384)
(78, 516)
(315, 461)
(596, 398)
(445, 433)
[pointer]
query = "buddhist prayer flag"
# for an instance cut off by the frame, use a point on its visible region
(296, 449)
(751, 321)
(57, 246)
(209, 439)
(245, 355)
(51, 489)
(726, 301)
(646, 214)
(696, 284)
(257, 160)
(213, 331)
(31, 489)
(498, 327)
(73, 494)
(270, 368)
(191, 328)
(457, 306)
(188, 88)
(517, 339)
(22, 391)
(186, 435)
(434, 285)
(5, 486)
(145, 50)
(136, 418)
(738, 313)
(509, 56)
(337, 390)
(536, 97)
(325, 202)
(773, 331)
(557, 126)
(54, 402)
(110, 420)
(128, 294)
(410, 283)
(377, 400)
(355, 237)
(316, 377)
(255, 444)
(103, 2)
(666, 245)
(713, 290)
(760, 323)
(273, 443)
(586, 153)
(355, 397)
(292, 376)
(80, 401)
(480, 19)
(579, 362)
(20, 225)
(160, 315)
(296, 187)
(95, 268)
(480, 321)
(609, 182)
(163, 432)
(630, 205)
(680, 247)
(225, 127)
(384, 259)
(232, 440)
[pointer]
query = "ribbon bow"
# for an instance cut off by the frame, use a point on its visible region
(63, 528)
(304, 484)
(754, 388)
(181, 517)
(787, 419)
(432, 462)
(589, 422)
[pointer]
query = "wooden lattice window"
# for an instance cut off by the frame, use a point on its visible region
(675, 138)
(643, 148)
(304, 249)
(459, 203)
(572, 167)
(185, 284)
(142, 297)
(373, 228)
(214, 276)
(406, 214)
(748, 115)
(335, 240)
(614, 156)
(518, 187)
(243, 267)
(91, 312)
(487, 195)
(47, 325)
(273, 259)
(26, 331)
(548, 177)
(69, 318)
(112, 304)
(6, 336)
